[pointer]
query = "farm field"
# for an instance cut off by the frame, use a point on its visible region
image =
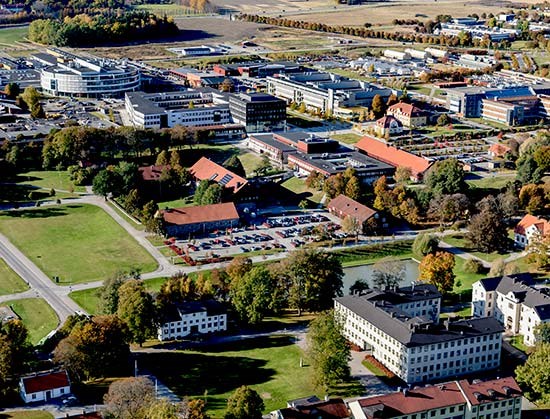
(77, 243)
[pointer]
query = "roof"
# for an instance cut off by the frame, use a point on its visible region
(387, 120)
(349, 207)
(499, 150)
(152, 172)
(200, 214)
(319, 409)
(45, 381)
(206, 169)
(174, 312)
(405, 109)
(478, 392)
(392, 155)
(542, 225)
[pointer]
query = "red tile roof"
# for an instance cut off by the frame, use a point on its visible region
(45, 381)
(499, 389)
(152, 172)
(344, 206)
(206, 169)
(386, 121)
(405, 109)
(543, 226)
(416, 400)
(391, 155)
(201, 214)
(330, 409)
(499, 150)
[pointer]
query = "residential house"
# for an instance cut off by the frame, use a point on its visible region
(182, 222)
(206, 169)
(513, 302)
(530, 229)
(44, 386)
(343, 207)
(500, 398)
(192, 317)
(314, 408)
(409, 115)
(387, 126)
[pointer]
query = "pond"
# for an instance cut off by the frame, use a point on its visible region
(354, 273)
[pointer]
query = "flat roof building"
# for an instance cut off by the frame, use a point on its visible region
(258, 111)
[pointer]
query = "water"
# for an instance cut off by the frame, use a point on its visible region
(365, 272)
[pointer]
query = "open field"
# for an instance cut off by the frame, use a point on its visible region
(270, 365)
(37, 315)
(250, 161)
(26, 414)
(252, 6)
(10, 282)
(298, 186)
(460, 242)
(48, 179)
(369, 254)
(78, 243)
(9, 36)
(492, 182)
(167, 9)
(464, 278)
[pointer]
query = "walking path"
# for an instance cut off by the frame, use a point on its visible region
(373, 385)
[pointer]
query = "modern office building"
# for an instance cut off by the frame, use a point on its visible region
(258, 111)
(514, 302)
(401, 329)
(66, 74)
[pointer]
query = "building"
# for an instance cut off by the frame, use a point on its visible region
(464, 399)
(260, 69)
(401, 329)
(394, 156)
(206, 169)
(498, 151)
(44, 386)
(397, 55)
(66, 74)
(388, 125)
(514, 302)
(152, 173)
(258, 111)
(182, 222)
(409, 115)
(191, 108)
(192, 318)
(343, 207)
(270, 146)
(198, 51)
(314, 408)
(530, 229)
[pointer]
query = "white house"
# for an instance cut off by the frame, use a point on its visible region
(44, 386)
(513, 302)
(530, 229)
(401, 329)
(181, 320)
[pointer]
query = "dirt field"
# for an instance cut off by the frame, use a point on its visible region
(263, 6)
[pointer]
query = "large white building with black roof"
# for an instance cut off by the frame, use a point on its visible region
(401, 327)
(513, 302)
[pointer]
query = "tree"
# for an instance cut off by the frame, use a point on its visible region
(403, 174)
(200, 190)
(106, 182)
(12, 90)
(108, 293)
(446, 177)
(264, 166)
(378, 107)
(443, 120)
(252, 295)
(449, 208)
(534, 375)
(238, 267)
(15, 351)
(487, 231)
(388, 273)
(328, 350)
(424, 244)
(359, 287)
(165, 409)
(136, 309)
(212, 195)
(175, 159)
(245, 403)
(542, 333)
(31, 97)
(129, 398)
(227, 85)
(334, 185)
(162, 159)
(351, 226)
(234, 164)
(353, 188)
(437, 269)
(473, 266)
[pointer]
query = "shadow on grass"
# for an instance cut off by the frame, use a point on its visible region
(350, 388)
(249, 344)
(39, 212)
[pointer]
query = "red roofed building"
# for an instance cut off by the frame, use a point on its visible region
(394, 156)
(530, 229)
(206, 169)
(152, 173)
(409, 115)
(388, 125)
(498, 151)
(313, 407)
(343, 207)
(180, 222)
(500, 398)
(44, 386)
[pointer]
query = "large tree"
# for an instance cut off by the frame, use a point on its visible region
(378, 107)
(136, 308)
(437, 269)
(446, 177)
(534, 375)
(487, 230)
(129, 398)
(253, 294)
(15, 351)
(108, 293)
(425, 244)
(328, 350)
(245, 403)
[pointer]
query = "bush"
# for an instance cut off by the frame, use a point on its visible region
(473, 266)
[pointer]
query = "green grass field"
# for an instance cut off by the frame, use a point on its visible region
(26, 414)
(10, 36)
(493, 182)
(250, 162)
(37, 315)
(466, 279)
(298, 186)
(89, 299)
(369, 254)
(48, 179)
(347, 138)
(460, 242)
(269, 365)
(10, 282)
(78, 243)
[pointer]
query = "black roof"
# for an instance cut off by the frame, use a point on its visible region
(491, 284)
(174, 312)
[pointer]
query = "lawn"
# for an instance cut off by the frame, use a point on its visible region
(347, 138)
(78, 243)
(10, 36)
(517, 342)
(466, 279)
(89, 299)
(363, 255)
(270, 365)
(250, 162)
(298, 186)
(10, 282)
(26, 414)
(460, 242)
(58, 180)
(37, 315)
(176, 203)
(491, 182)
